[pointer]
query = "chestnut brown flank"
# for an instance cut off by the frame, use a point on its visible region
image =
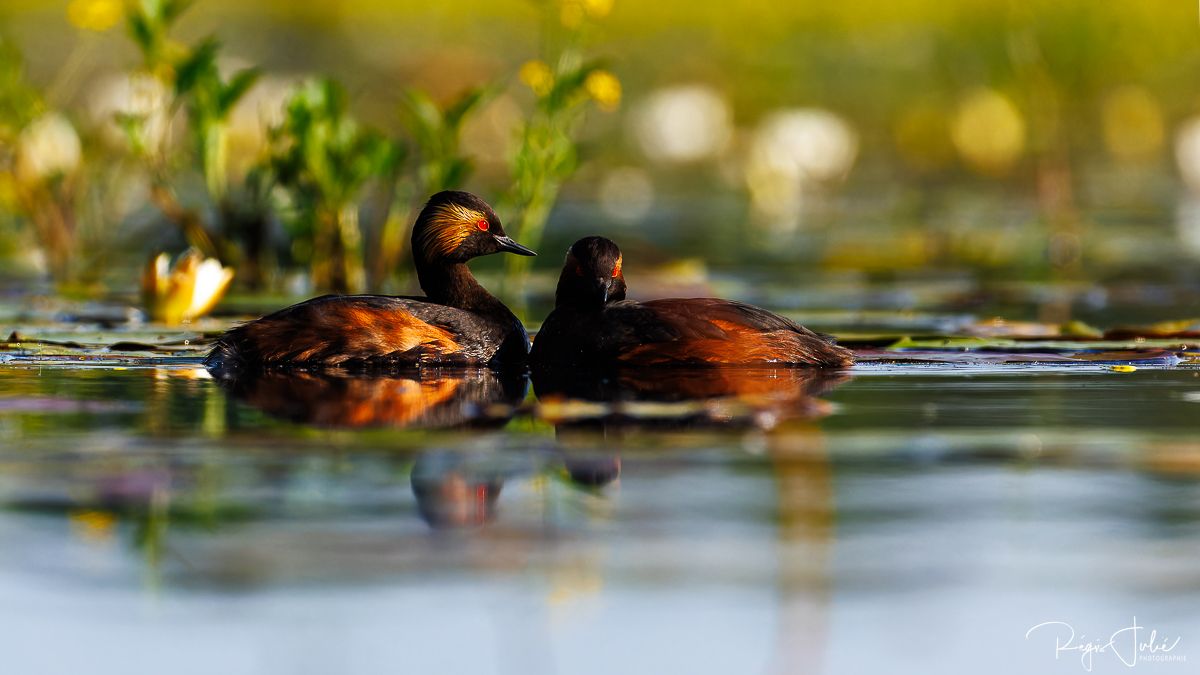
(339, 333)
(738, 344)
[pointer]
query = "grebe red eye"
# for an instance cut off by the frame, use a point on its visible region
(482, 224)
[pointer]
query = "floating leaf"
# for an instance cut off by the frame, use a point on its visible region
(948, 343)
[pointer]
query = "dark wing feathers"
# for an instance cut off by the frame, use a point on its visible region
(711, 331)
(340, 330)
(692, 312)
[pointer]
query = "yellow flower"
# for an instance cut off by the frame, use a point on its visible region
(604, 88)
(537, 76)
(97, 15)
(186, 290)
(597, 9)
(989, 132)
(572, 12)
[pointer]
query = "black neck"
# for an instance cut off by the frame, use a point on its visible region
(453, 285)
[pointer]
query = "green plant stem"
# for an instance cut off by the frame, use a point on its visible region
(392, 236)
(337, 263)
(350, 236)
(214, 160)
(531, 224)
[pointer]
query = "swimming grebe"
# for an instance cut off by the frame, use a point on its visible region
(593, 325)
(457, 323)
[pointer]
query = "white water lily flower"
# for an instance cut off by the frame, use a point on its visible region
(185, 291)
(47, 148)
(137, 95)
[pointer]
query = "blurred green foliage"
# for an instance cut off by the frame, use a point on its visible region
(19, 101)
(322, 159)
(192, 82)
(440, 162)
(149, 23)
(436, 162)
(40, 154)
(547, 155)
(320, 170)
(563, 80)
(1092, 101)
(209, 103)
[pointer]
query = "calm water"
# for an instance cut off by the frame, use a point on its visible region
(898, 518)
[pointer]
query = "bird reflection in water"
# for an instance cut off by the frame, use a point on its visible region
(594, 415)
(592, 412)
(418, 399)
(454, 492)
(592, 470)
(451, 488)
(685, 397)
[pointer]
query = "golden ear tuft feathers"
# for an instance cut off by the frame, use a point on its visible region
(448, 227)
(616, 270)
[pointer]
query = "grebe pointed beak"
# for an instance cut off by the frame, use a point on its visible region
(507, 244)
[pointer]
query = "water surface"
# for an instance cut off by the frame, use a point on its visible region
(901, 517)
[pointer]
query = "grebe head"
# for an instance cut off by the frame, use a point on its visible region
(456, 226)
(591, 275)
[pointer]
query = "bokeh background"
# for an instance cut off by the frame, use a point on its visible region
(996, 203)
(853, 143)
